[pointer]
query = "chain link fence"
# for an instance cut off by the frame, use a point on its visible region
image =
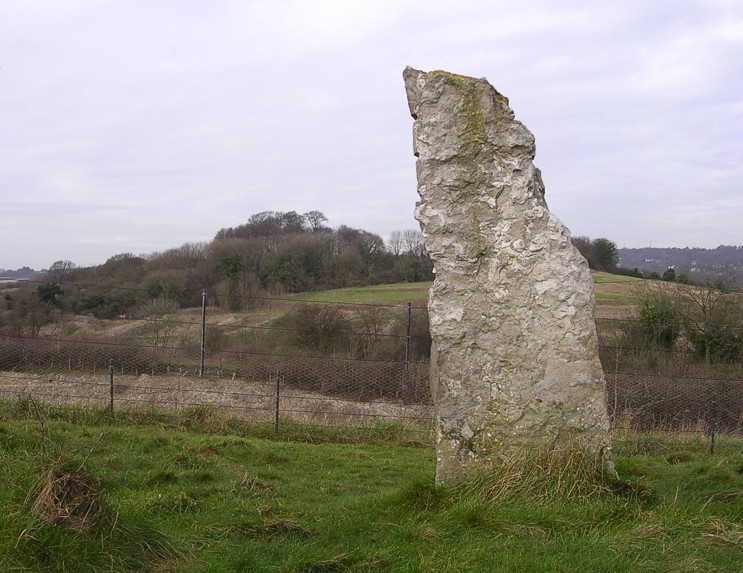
(311, 363)
(667, 389)
(330, 364)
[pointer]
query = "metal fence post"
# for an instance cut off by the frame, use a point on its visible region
(111, 383)
(278, 399)
(406, 367)
(203, 332)
(713, 422)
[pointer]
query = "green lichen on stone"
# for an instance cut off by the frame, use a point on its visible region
(471, 115)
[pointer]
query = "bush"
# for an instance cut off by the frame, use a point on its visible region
(717, 344)
(707, 319)
(318, 327)
(659, 323)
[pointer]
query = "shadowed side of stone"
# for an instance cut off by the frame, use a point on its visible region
(515, 353)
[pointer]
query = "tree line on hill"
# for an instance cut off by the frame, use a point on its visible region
(19, 274)
(701, 266)
(273, 253)
(685, 261)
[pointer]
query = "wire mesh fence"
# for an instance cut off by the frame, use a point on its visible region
(669, 388)
(329, 364)
(304, 388)
(285, 360)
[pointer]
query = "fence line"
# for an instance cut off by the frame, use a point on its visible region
(339, 376)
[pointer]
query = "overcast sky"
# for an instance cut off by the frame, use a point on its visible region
(137, 126)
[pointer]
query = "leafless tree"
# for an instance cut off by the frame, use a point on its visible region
(712, 314)
(413, 242)
(315, 220)
(373, 321)
(395, 243)
(61, 271)
(160, 320)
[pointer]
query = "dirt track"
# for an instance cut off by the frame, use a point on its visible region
(242, 398)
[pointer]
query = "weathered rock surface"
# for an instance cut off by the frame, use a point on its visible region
(515, 354)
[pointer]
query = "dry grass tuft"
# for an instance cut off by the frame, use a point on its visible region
(252, 483)
(69, 498)
(719, 533)
(283, 526)
(272, 527)
(278, 528)
(648, 531)
(338, 563)
(547, 474)
(430, 532)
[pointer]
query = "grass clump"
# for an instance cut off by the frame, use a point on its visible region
(70, 498)
(56, 513)
(546, 475)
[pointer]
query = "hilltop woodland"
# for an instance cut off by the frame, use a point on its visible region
(273, 254)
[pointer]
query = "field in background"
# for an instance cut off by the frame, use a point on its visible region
(398, 293)
(609, 289)
(615, 290)
(334, 357)
(614, 296)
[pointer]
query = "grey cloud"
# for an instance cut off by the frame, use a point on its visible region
(168, 122)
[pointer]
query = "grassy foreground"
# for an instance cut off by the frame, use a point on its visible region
(152, 496)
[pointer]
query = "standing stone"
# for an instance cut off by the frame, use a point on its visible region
(514, 360)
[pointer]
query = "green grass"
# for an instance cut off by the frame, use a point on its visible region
(600, 278)
(201, 501)
(615, 289)
(398, 293)
(609, 289)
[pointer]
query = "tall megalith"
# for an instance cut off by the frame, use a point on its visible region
(514, 362)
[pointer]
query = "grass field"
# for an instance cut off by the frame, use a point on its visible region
(83, 493)
(609, 289)
(615, 289)
(397, 294)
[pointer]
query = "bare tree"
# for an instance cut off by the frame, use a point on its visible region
(712, 315)
(395, 243)
(706, 317)
(315, 220)
(160, 320)
(61, 271)
(373, 321)
(413, 242)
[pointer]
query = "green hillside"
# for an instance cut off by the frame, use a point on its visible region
(608, 288)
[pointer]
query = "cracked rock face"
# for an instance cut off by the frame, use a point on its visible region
(514, 362)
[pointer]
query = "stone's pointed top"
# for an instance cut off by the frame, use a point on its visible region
(425, 90)
(408, 71)
(476, 115)
(411, 77)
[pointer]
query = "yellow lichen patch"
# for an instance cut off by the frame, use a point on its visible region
(451, 75)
